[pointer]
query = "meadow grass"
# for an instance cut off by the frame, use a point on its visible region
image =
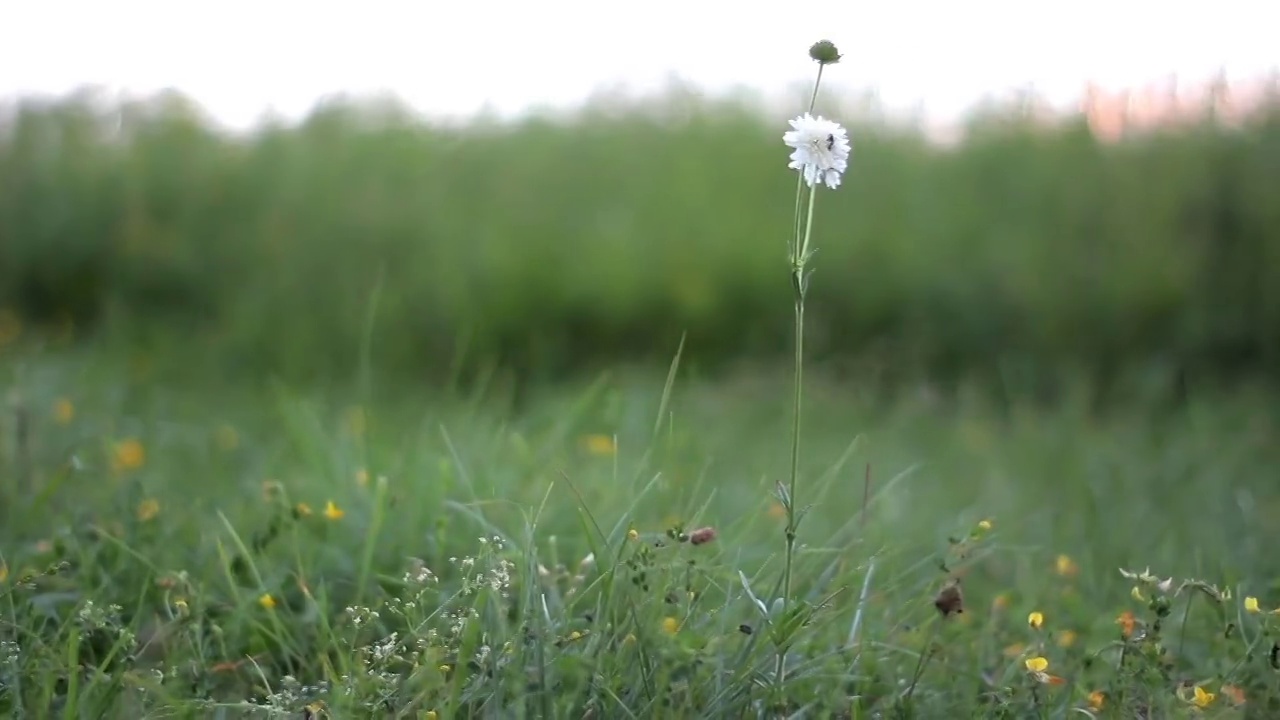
(219, 550)
(642, 546)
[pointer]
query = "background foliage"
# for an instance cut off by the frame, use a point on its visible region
(554, 243)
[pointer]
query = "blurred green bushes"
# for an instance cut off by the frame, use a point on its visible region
(552, 244)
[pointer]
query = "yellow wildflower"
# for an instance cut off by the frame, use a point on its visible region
(1097, 699)
(670, 625)
(600, 444)
(985, 525)
(575, 635)
(1066, 567)
(1202, 698)
(632, 534)
(1036, 620)
(1037, 666)
(148, 509)
(1251, 605)
(128, 455)
(1067, 638)
(226, 438)
(445, 668)
(357, 421)
(10, 326)
(267, 602)
(181, 606)
(64, 411)
(332, 511)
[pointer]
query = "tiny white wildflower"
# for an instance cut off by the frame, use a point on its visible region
(820, 149)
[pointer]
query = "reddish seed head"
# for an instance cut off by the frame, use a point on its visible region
(702, 535)
(949, 600)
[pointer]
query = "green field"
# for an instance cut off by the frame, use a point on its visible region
(566, 243)
(374, 417)
(226, 503)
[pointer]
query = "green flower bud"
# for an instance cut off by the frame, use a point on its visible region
(825, 52)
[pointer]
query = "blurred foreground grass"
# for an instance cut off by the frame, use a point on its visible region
(263, 544)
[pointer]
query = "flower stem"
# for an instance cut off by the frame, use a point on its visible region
(926, 654)
(799, 286)
(813, 101)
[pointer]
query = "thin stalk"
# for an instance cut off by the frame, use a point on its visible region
(795, 450)
(1186, 616)
(813, 101)
(798, 282)
(925, 655)
(799, 259)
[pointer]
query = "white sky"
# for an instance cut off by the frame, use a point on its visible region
(240, 57)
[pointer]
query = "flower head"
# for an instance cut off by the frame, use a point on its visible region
(1036, 620)
(1251, 605)
(825, 52)
(1097, 699)
(670, 625)
(1036, 666)
(64, 411)
(1127, 622)
(598, 444)
(1234, 694)
(701, 536)
(820, 149)
(128, 455)
(332, 511)
(950, 600)
(267, 602)
(1202, 698)
(1066, 567)
(148, 509)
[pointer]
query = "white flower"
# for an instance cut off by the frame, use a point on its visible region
(821, 149)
